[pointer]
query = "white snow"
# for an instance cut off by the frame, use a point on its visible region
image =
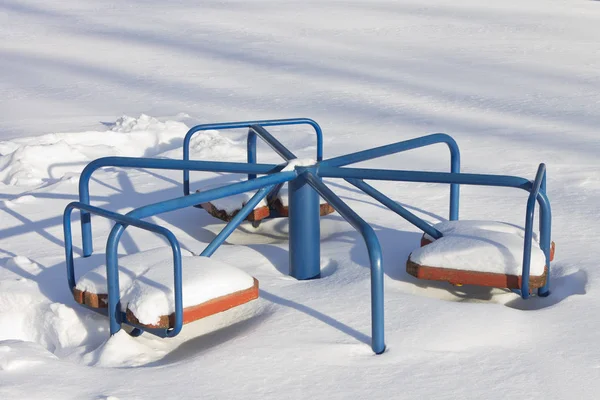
(484, 246)
(514, 82)
(204, 279)
(33, 160)
(297, 162)
(130, 268)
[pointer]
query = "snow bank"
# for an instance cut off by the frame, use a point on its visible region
(34, 160)
(212, 145)
(484, 246)
(18, 355)
(28, 315)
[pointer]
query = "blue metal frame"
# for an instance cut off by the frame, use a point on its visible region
(115, 315)
(305, 186)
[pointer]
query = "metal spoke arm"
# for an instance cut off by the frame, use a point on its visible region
(375, 258)
(406, 145)
(395, 207)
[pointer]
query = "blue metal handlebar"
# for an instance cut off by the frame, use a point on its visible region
(246, 124)
(536, 193)
(112, 273)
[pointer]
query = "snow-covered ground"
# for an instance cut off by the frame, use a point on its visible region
(515, 83)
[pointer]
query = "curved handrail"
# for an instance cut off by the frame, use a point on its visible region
(112, 273)
(405, 145)
(375, 258)
(246, 124)
(529, 215)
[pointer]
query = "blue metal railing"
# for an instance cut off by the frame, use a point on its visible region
(115, 315)
(536, 193)
(251, 148)
(395, 207)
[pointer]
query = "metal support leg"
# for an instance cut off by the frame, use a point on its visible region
(305, 232)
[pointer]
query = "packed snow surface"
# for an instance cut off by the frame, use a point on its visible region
(515, 83)
(484, 246)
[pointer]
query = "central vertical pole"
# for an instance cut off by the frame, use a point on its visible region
(305, 232)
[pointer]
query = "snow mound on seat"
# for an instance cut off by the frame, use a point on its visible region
(204, 279)
(130, 267)
(146, 282)
(484, 246)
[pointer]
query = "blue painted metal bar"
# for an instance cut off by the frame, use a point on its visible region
(305, 230)
(375, 258)
(545, 237)
(210, 195)
(395, 207)
(112, 274)
(420, 176)
(152, 163)
(250, 150)
(246, 124)
(405, 145)
(276, 145)
(236, 221)
(533, 194)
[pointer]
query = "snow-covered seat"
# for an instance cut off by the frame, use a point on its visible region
(484, 253)
(226, 208)
(146, 287)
